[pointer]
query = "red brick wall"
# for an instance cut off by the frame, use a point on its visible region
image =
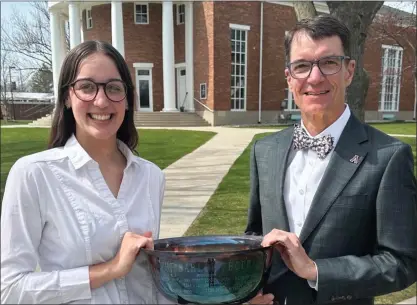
(242, 13)
(277, 20)
(26, 111)
(373, 64)
(203, 50)
(101, 29)
(179, 38)
(212, 51)
(143, 44)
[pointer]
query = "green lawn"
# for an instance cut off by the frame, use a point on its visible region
(393, 128)
(163, 147)
(230, 201)
(17, 122)
(397, 128)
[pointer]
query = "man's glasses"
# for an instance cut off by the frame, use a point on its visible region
(329, 65)
(86, 90)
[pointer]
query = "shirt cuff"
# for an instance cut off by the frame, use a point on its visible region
(75, 284)
(314, 284)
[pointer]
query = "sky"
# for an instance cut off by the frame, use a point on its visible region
(7, 7)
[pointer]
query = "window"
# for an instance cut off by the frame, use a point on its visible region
(203, 91)
(391, 78)
(180, 13)
(88, 18)
(290, 101)
(141, 14)
(238, 39)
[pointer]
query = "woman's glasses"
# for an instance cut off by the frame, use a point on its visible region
(86, 89)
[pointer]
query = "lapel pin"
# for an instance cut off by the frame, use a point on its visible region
(355, 159)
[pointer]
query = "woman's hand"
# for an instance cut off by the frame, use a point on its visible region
(131, 244)
(122, 263)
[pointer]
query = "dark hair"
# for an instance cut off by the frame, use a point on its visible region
(63, 123)
(319, 27)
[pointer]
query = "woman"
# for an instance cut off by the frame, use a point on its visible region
(84, 208)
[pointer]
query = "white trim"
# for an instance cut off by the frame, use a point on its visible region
(147, 12)
(205, 91)
(180, 65)
(239, 27)
(245, 85)
(391, 47)
(261, 38)
(88, 18)
(396, 79)
(178, 13)
(143, 65)
(189, 53)
(246, 69)
(178, 74)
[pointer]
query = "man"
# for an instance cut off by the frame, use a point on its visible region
(337, 198)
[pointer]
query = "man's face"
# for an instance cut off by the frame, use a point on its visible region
(319, 95)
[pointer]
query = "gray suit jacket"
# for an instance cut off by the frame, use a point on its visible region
(361, 229)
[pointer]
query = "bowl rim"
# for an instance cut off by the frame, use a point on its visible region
(211, 253)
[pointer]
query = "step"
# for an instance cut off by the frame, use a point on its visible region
(156, 119)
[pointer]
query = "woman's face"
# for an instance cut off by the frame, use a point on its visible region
(98, 116)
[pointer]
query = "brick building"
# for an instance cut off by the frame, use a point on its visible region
(223, 60)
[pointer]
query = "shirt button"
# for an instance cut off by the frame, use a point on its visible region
(311, 163)
(299, 224)
(301, 192)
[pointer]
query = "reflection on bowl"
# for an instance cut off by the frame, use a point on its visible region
(210, 269)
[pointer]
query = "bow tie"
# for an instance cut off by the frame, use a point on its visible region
(322, 145)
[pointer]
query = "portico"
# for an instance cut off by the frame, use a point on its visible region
(72, 12)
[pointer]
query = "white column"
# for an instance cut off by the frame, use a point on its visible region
(189, 54)
(55, 24)
(74, 24)
(168, 56)
(117, 36)
(82, 31)
(63, 38)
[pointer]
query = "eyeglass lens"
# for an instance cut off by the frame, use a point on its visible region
(87, 90)
(327, 65)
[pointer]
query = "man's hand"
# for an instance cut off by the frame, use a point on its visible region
(292, 253)
(263, 299)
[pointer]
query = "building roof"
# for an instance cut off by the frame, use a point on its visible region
(29, 96)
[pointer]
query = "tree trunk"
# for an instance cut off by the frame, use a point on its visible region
(358, 17)
(304, 9)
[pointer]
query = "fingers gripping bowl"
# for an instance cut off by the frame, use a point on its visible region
(216, 269)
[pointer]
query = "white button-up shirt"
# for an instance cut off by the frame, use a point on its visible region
(59, 214)
(304, 174)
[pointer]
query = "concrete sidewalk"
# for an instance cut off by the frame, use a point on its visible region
(192, 180)
(409, 301)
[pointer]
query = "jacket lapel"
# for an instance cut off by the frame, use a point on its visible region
(345, 160)
(279, 155)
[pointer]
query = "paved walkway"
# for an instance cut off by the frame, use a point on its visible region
(194, 178)
(409, 301)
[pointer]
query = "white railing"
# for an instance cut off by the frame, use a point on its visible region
(204, 106)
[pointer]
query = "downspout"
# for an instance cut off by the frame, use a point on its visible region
(261, 36)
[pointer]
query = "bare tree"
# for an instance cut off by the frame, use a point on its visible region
(30, 38)
(358, 17)
(400, 27)
(7, 60)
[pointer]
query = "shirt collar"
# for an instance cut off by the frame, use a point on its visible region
(79, 157)
(335, 130)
